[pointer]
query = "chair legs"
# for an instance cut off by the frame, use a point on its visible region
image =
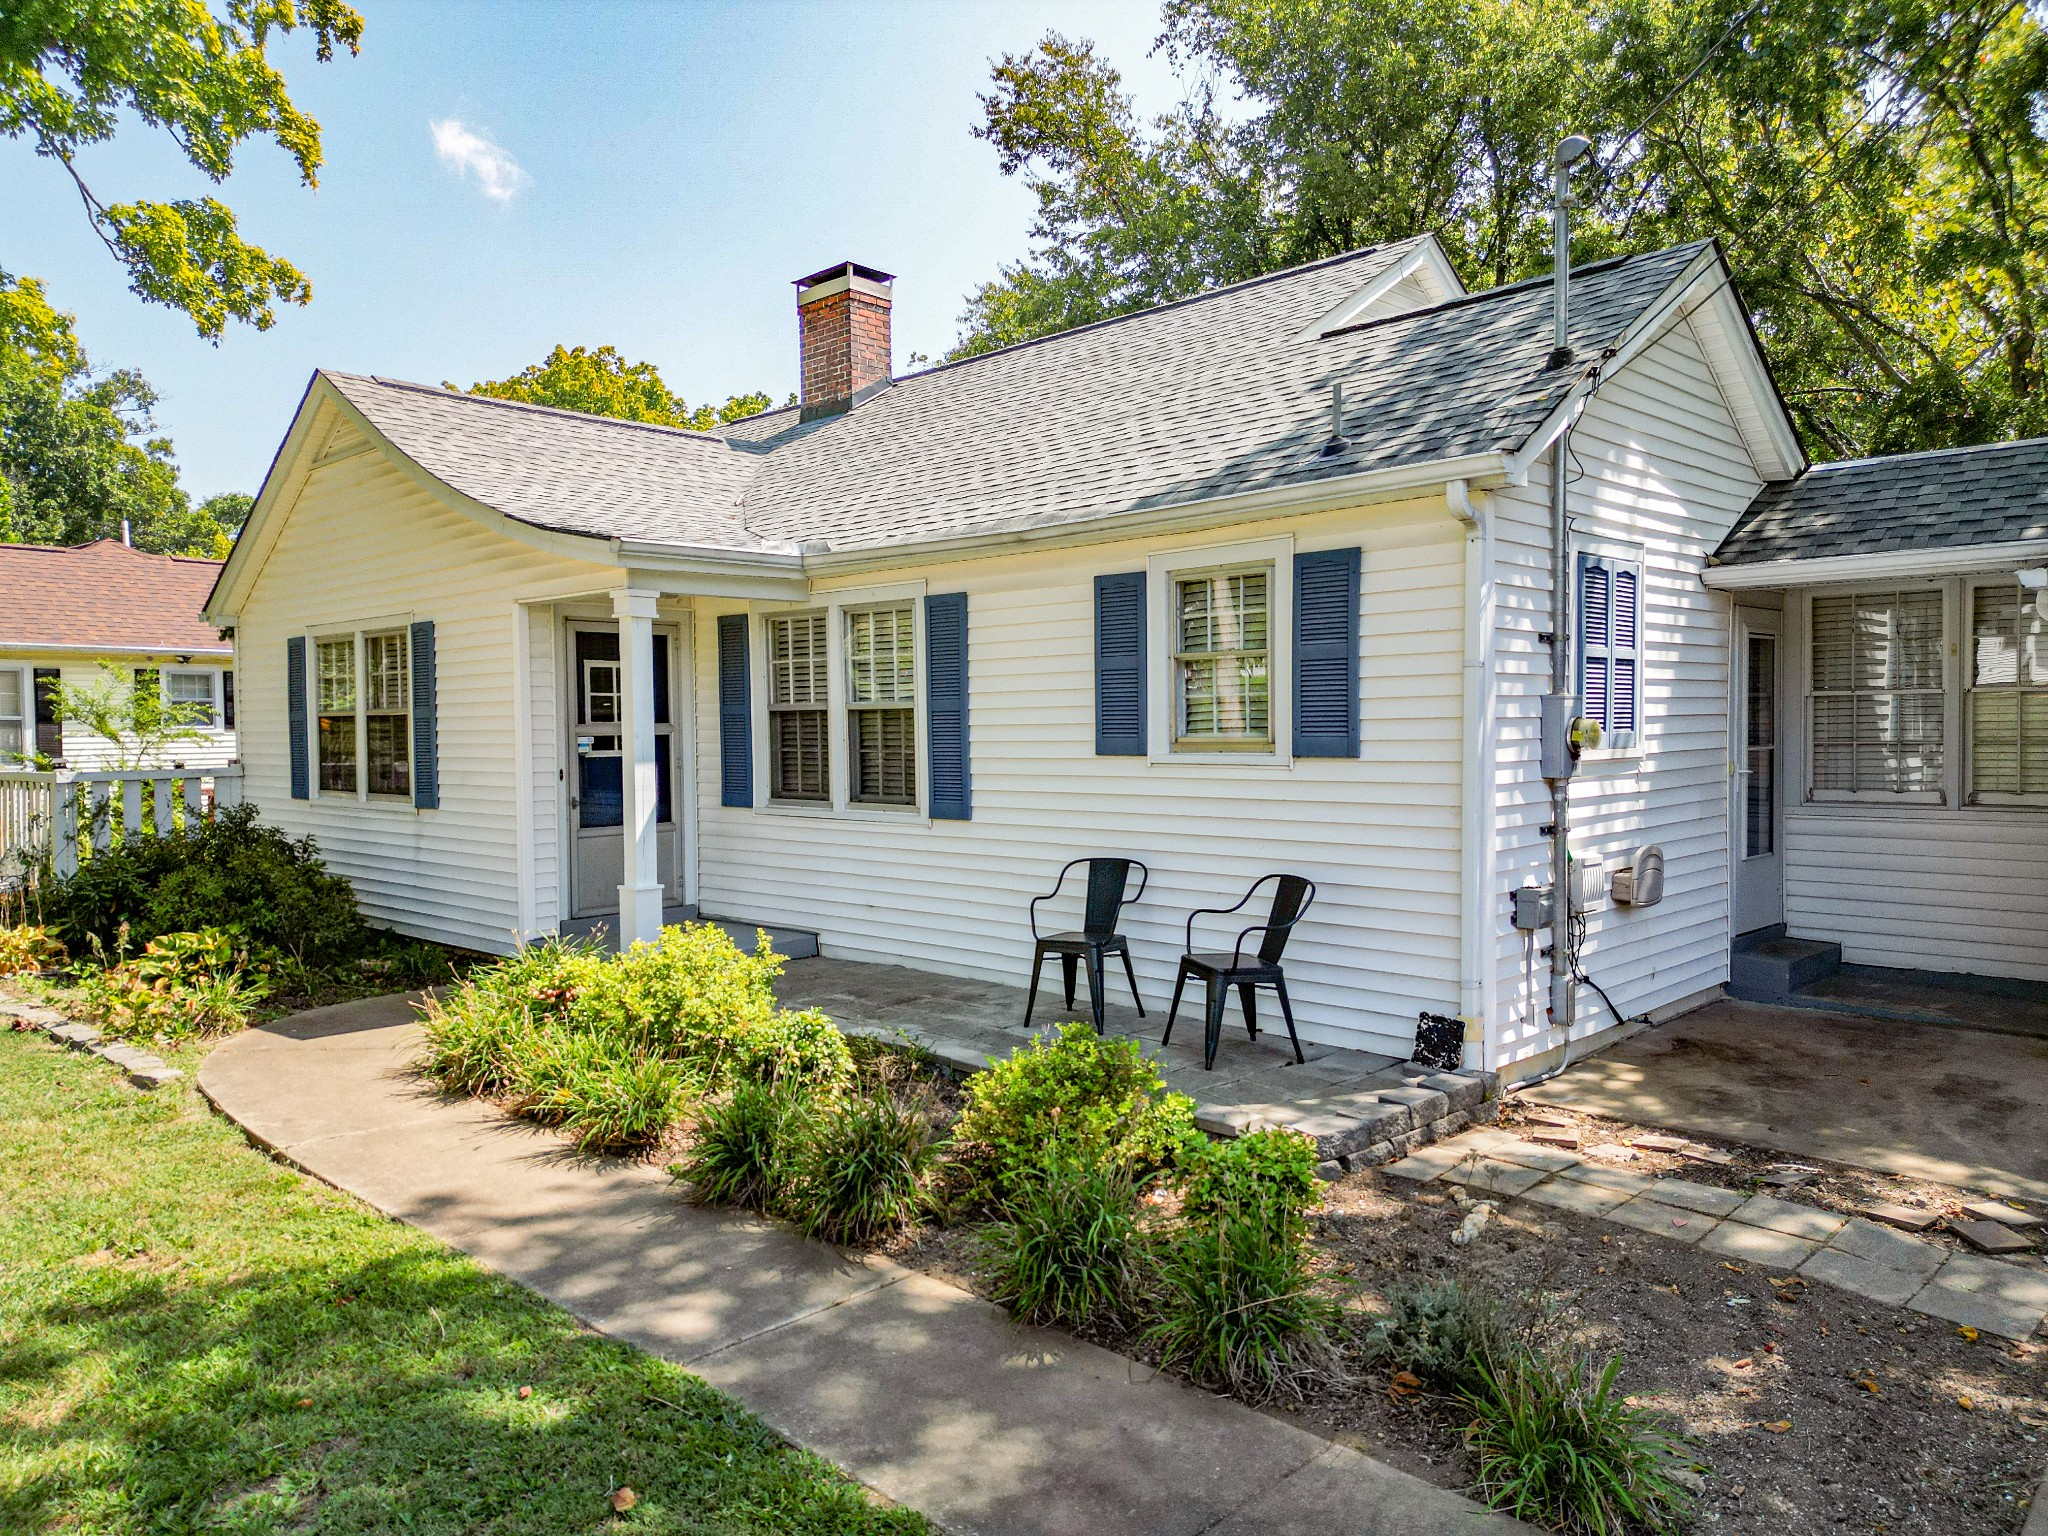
(1031, 1001)
(1287, 1013)
(1247, 994)
(1180, 983)
(1131, 976)
(1212, 1034)
(1069, 965)
(1097, 982)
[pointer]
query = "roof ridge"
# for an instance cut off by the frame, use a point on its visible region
(107, 538)
(463, 396)
(1921, 453)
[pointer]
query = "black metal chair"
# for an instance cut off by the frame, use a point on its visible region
(1292, 897)
(1108, 895)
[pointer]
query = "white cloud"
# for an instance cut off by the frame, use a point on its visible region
(471, 154)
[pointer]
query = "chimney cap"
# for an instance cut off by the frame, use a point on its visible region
(845, 269)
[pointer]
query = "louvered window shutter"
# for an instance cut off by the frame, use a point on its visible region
(945, 664)
(735, 713)
(1610, 602)
(227, 699)
(295, 715)
(49, 729)
(426, 740)
(1326, 653)
(1120, 665)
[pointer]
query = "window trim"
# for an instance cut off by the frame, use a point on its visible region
(357, 633)
(26, 720)
(1968, 688)
(1162, 572)
(1945, 650)
(214, 721)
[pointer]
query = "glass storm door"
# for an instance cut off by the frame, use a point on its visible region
(1758, 821)
(597, 765)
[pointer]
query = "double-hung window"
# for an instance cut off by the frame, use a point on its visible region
(2008, 694)
(1877, 703)
(881, 704)
(17, 715)
(191, 693)
(799, 676)
(1610, 647)
(1222, 654)
(365, 713)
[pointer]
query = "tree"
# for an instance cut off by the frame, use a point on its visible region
(602, 383)
(70, 68)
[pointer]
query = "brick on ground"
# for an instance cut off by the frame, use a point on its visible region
(1991, 1237)
(1999, 1211)
(1908, 1218)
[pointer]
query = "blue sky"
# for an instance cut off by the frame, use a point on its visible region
(669, 169)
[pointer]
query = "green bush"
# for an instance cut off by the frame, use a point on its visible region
(744, 1146)
(1561, 1447)
(1266, 1170)
(1068, 1254)
(229, 869)
(1442, 1332)
(1086, 1096)
(860, 1168)
(1238, 1310)
(799, 1049)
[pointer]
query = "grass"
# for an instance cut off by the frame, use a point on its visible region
(193, 1338)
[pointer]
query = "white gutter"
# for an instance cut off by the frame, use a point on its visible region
(1884, 565)
(1476, 984)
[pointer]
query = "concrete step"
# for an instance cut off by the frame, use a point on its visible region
(790, 943)
(1770, 969)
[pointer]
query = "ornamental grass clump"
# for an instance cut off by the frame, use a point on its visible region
(1076, 1093)
(860, 1168)
(1068, 1253)
(1562, 1447)
(744, 1146)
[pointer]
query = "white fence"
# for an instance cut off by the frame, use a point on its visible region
(63, 817)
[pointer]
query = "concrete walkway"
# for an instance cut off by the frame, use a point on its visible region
(919, 1389)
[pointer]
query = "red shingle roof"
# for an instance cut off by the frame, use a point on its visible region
(105, 596)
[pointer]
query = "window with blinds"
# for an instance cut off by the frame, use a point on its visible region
(1221, 656)
(2008, 694)
(798, 677)
(1877, 699)
(335, 675)
(881, 704)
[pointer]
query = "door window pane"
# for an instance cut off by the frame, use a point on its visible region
(1760, 742)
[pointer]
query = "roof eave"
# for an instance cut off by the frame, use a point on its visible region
(1876, 565)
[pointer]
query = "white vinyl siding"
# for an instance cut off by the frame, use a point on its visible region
(1876, 708)
(2008, 695)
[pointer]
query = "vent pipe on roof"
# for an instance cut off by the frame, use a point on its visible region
(125, 538)
(1335, 444)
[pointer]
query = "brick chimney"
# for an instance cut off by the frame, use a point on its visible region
(843, 322)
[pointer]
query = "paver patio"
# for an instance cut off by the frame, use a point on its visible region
(920, 1389)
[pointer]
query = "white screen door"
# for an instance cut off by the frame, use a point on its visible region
(1758, 823)
(595, 772)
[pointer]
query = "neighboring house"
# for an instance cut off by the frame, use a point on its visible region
(877, 666)
(65, 610)
(1891, 709)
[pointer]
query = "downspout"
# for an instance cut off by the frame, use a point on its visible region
(1475, 841)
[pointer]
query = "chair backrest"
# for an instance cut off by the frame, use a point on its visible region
(1292, 895)
(1106, 881)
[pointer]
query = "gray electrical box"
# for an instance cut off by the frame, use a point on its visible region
(1560, 759)
(1532, 907)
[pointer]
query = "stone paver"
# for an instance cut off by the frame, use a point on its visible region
(1576, 1195)
(1861, 1277)
(1426, 1163)
(1759, 1246)
(1530, 1155)
(1492, 1175)
(918, 1388)
(1669, 1221)
(1895, 1250)
(1982, 1310)
(1609, 1178)
(1991, 1237)
(1789, 1217)
(1709, 1199)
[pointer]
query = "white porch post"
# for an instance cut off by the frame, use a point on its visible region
(640, 894)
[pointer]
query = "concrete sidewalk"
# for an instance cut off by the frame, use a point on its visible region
(919, 1389)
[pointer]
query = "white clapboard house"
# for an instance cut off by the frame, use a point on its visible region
(1254, 582)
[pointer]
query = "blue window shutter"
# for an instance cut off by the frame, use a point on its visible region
(1326, 653)
(1120, 665)
(1610, 601)
(735, 713)
(945, 698)
(295, 715)
(1623, 641)
(426, 739)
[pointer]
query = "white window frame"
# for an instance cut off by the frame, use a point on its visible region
(1967, 686)
(26, 752)
(770, 709)
(214, 721)
(1950, 689)
(1162, 571)
(400, 625)
(836, 605)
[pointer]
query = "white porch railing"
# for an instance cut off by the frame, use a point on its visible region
(64, 817)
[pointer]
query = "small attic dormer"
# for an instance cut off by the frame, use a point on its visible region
(1419, 277)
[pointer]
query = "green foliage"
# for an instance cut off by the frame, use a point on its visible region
(860, 1168)
(130, 713)
(606, 1096)
(229, 870)
(600, 382)
(1265, 1170)
(1068, 1253)
(1083, 1095)
(802, 1049)
(71, 69)
(26, 949)
(181, 986)
(1237, 1306)
(743, 1146)
(1442, 1332)
(1563, 1448)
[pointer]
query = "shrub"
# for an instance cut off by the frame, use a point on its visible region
(228, 869)
(180, 986)
(1443, 1332)
(1269, 1170)
(29, 949)
(799, 1049)
(1087, 1096)
(744, 1145)
(1068, 1253)
(860, 1169)
(1564, 1449)
(1237, 1307)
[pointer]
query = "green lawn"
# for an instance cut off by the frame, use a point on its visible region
(193, 1338)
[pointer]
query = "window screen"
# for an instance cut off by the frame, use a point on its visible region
(387, 713)
(2008, 694)
(1222, 640)
(335, 672)
(881, 725)
(1877, 693)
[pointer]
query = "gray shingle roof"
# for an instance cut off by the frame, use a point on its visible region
(1949, 497)
(1208, 397)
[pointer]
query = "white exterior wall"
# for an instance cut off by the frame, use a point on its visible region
(1379, 834)
(86, 751)
(364, 545)
(1663, 470)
